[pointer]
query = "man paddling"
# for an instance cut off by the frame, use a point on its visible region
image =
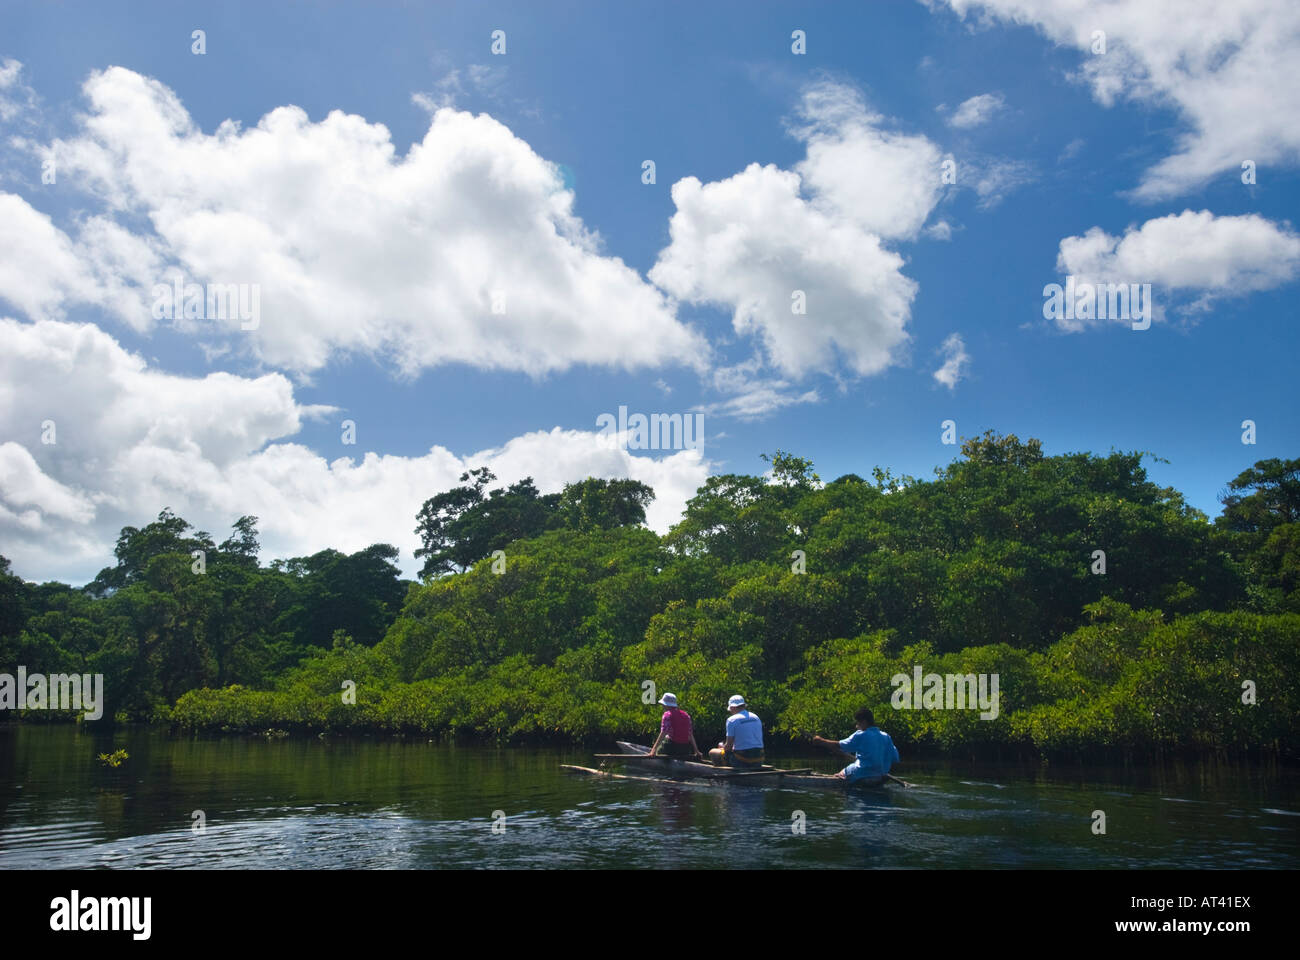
(872, 749)
(744, 744)
(676, 725)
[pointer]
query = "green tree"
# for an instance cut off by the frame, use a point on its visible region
(596, 504)
(463, 525)
(14, 608)
(1263, 497)
(1261, 524)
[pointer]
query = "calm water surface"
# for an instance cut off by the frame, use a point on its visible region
(377, 803)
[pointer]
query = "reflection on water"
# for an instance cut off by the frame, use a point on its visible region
(376, 803)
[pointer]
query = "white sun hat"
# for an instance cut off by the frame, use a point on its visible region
(668, 700)
(736, 701)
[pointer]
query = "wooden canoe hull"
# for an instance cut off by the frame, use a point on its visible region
(634, 752)
(689, 768)
(817, 781)
(824, 781)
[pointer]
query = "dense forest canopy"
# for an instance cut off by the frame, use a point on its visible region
(1116, 616)
(463, 524)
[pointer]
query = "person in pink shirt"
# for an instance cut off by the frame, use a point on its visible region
(678, 730)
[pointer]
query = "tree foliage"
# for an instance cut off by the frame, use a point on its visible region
(1117, 617)
(157, 623)
(464, 524)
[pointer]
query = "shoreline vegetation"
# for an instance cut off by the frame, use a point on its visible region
(1119, 621)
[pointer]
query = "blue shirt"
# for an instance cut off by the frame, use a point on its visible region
(746, 728)
(875, 751)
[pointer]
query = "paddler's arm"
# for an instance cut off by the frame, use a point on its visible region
(831, 743)
(658, 740)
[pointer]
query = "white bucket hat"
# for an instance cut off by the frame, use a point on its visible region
(668, 700)
(736, 701)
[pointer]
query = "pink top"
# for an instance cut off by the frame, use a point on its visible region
(677, 724)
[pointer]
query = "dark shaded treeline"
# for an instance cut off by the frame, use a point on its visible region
(179, 611)
(155, 627)
(989, 568)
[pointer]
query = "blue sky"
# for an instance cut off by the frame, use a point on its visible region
(703, 90)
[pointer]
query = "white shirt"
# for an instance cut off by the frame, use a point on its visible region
(746, 728)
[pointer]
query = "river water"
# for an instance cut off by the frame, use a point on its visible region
(378, 803)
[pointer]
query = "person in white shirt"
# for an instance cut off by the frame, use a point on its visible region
(744, 744)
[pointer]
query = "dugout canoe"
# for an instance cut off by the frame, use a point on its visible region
(639, 755)
(659, 768)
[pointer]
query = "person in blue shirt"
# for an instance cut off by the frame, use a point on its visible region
(872, 749)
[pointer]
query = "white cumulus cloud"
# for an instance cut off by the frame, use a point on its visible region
(799, 255)
(1230, 70)
(130, 440)
(1194, 250)
(856, 170)
(753, 243)
(464, 250)
(976, 111)
(1193, 253)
